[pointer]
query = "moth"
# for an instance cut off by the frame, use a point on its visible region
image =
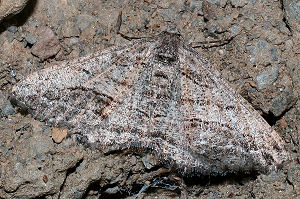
(157, 94)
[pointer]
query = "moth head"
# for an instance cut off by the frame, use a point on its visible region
(166, 49)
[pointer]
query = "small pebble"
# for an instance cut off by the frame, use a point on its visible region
(283, 123)
(30, 39)
(47, 44)
(239, 3)
(12, 29)
(113, 190)
(267, 77)
(59, 134)
(281, 103)
(83, 21)
(149, 161)
(7, 109)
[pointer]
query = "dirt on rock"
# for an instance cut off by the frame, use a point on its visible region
(255, 44)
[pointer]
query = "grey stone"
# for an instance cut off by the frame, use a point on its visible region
(221, 3)
(264, 52)
(13, 73)
(274, 177)
(2, 97)
(200, 12)
(168, 15)
(211, 195)
(292, 13)
(70, 29)
(30, 39)
(267, 77)
(76, 194)
(113, 190)
(82, 5)
(90, 170)
(9, 36)
(7, 109)
(234, 30)
(239, 3)
(274, 54)
(99, 31)
(197, 23)
(84, 21)
(19, 166)
(252, 2)
(294, 10)
(282, 28)
(39, 145)
(12, 29)
(30, 173)
(149, 161)
(281, 103)
(195, 4)
(293, 174)
(132, 26)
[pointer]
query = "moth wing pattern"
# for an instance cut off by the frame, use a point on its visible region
(230, 132)
(157, 94)
(75, 94)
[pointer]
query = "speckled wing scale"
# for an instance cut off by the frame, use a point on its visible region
(157, 94)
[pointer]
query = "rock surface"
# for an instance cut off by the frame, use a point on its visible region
(47, 44)
(11, 7)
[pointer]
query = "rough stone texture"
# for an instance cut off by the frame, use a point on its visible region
(59, 134)
(47, 44)
(292, 13)
(239, 3)
(9, 7)
(6, 108)
(267, 77)
(282, 103)
(31, 161)
(219, 39)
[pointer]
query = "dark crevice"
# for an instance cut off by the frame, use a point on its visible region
(284, 19)
(21, 107)
(129, 38)
(20, 18)
(211, 44)
(41, 197)
(29, 45)
(165, 183)
(123, 150)
(70, 171)
(272, 119)
(135, 190)
(290, 183)
(96, 188)
(234, 178)
(286, 23)
(44, 196)
(252, 194)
